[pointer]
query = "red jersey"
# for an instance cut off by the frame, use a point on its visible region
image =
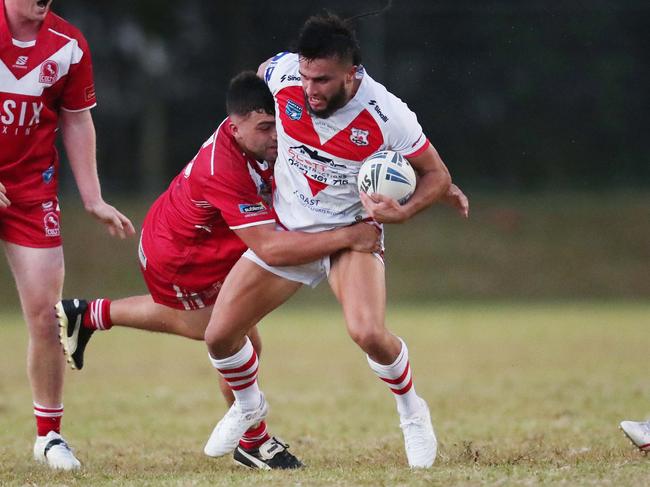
(187, 234)
(37, 79)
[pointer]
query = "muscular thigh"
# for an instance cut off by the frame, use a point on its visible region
(358, 282)
(248, 294)
(38, 273)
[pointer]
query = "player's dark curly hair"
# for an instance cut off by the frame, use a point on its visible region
(248, 93)
(327, 36)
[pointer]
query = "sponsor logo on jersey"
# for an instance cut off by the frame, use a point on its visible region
(289, 77)
(51, 224)
(47, 205)
(25, 113)
(252, 209)
(48, 175)
(49, 72)
(359, 137)
(271, 67)
(21, 62)
(373, 103)
(313, 154)
(293, 110)
(89, 92)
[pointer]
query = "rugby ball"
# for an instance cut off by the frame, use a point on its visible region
(387, 173)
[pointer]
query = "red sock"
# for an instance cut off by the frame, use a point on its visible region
(98, 315)
(47, 419)
(254, 437)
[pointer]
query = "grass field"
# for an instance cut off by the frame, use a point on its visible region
(521, 394)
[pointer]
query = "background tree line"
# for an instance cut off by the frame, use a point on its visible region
(515, 95)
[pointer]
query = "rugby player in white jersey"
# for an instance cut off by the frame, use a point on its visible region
(194, 233)
(46, 82)
(331, 115)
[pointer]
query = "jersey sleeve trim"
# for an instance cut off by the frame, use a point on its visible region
(252, 224)
(424, 147)
(79, 109)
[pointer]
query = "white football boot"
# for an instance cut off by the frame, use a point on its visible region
(53, 451)
(419, 439)
(638, 432)
(227, 433)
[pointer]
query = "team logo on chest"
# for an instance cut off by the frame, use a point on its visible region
(49, 72)
(293, 110)
(359, 137)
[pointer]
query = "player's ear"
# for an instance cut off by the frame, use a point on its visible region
(233, 127)
(351, 73)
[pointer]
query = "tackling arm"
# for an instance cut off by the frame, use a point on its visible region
(79, 141)
(280, 248)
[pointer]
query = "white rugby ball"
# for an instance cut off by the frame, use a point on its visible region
(387, 173)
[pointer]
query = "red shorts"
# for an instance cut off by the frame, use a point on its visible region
(32, 224)
(176, 290)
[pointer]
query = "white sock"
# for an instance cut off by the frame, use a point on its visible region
(240, 372)
(398, 377)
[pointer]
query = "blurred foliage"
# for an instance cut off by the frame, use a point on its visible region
(515, 95)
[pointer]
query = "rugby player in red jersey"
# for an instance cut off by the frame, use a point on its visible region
(46, 81)
(196, 231)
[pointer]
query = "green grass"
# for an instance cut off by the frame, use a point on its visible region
(520, 395)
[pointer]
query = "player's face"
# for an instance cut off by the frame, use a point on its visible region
(31, 10)
(327, 83)
(256, 135)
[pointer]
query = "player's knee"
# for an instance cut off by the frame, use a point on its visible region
(41, 322)
(216, 338)
(369, 338)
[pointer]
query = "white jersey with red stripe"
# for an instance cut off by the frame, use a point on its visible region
(319, 158)
(37, 80)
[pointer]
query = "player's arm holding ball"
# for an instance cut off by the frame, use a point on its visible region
(433, 184)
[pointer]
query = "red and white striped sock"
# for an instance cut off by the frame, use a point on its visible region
(47, 419)
(98, 315)
(240, 372)
(398, 377)
(254, 437)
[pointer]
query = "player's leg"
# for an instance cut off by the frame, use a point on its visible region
(39, 273)
(249, 293)
(79, 319)
(358, 282)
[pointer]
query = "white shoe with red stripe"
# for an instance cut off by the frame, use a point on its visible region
(419, 439)
(226, 435)
(55, 452)
(638, 432)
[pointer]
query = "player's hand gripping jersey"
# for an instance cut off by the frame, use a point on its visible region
(187, 234)
(319, 158)
(37, 79)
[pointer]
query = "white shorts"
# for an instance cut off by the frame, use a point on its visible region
(309, 274)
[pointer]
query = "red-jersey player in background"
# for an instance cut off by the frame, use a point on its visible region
(46, 81)
(196, 231)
